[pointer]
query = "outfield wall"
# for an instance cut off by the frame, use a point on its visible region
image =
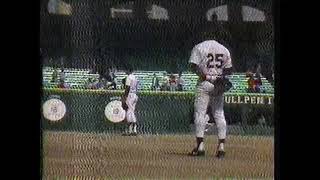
(157, 112)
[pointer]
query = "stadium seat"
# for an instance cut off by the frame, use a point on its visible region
(79, 77)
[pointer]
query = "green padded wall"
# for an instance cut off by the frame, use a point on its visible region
(156, 112)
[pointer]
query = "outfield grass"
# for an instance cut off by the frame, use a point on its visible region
(69, 155)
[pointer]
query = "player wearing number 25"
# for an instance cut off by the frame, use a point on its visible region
(211, 61)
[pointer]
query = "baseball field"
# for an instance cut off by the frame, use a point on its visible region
(72, 155)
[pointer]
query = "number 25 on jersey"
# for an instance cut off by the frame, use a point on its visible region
(214, 61)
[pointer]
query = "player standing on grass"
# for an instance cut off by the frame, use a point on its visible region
(129, 101)
(211, 61)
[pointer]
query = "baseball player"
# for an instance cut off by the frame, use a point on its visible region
(211, 61)
(129, 101)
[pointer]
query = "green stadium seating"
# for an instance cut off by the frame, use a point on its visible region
(77, 78)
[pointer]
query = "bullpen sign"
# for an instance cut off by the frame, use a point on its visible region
(54, 109)
(114, 111)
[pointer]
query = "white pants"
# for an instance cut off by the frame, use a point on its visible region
(208, 93)
(131, 102)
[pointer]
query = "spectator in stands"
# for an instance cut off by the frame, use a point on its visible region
(251, 83)
(111, 78)
(62, 84)
(95, 84)
(101, 83)
(172, 82)
(90, 83)
(165, 82)
(54, 77)
(155, 82)
(254, 81)
(62, 75)
(257, 83)
(180, 82)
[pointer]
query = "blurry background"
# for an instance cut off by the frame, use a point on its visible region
(154, 35)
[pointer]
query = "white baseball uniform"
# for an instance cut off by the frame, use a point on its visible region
(212, 58)
(132, 99)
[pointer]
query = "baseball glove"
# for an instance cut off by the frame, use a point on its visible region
(223, 82)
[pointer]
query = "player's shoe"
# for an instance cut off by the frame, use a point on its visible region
(220, 154)
(126, 134)
(133, 134)
(196, 152)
